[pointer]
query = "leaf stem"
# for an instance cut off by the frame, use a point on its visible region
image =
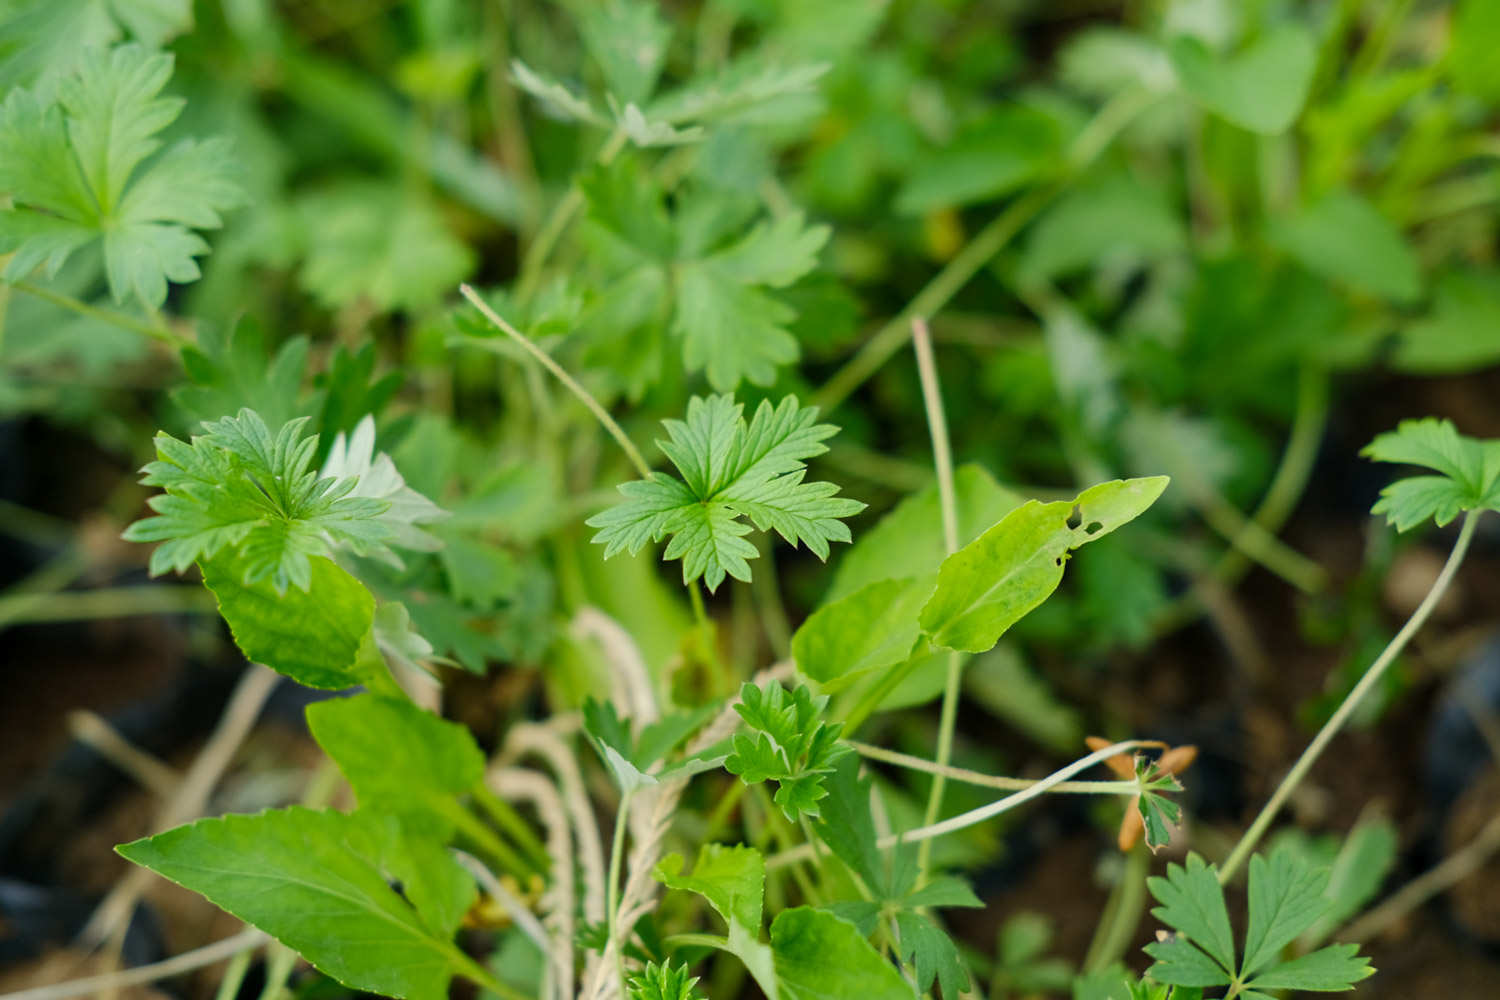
(707, 632)
(1122, 912)
(979, 815)
(612, 886)
(124, 322)
(506, 817)
(557, 223)
(983, 780)
(545, 359)
(942, 460)
(106, 602)
(1350, 703)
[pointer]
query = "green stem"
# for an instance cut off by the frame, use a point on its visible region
(506, 817)
(234, 974)
(612, 887)
(487, 840)
(942, 460)
(557, 223)
(161, 333)
(545, 359)
(32, 607)
(695, 940)
(1350, 703)
(1090, 142)
(709, 636)
(1122, 912)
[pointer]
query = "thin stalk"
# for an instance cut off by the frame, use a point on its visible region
(174, 966)
(612, 887)
(280, 961)
(942, 460)
(1122, 912)
(545, 359)
(981, 814)
(766, 590)
(982, 780)
(161, 333)
(234, 974)
(506, 817)
(1351, 702)
(487, 840)
(32, 607)
(710, 636)
(1090, 142)
(557, 223)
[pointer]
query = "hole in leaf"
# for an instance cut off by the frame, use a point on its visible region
(1075, 518)
(1093, 527)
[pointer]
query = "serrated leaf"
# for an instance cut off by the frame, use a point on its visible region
(989, 584)
(1469, 480)
(375, 477)
(315, 882)
(732, 879)
(1327, 970)
(237, 370)
(730, 470)
(78, 172)
(932, 953)
(239, 486)
(398, 757)
(1286, 898)
(663, 982)
(1193, 904)
(1262, 88)
(628, 39)
(317, 636)
(1179, 963)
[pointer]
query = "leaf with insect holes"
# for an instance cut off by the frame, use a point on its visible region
(1469, 467)
(1286, 898)
(991, 583)
(240, 487)
(83, 170)
(730, 470)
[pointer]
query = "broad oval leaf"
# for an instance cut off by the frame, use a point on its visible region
(1262, 88)
(819, 955)
(987, 586)
(315, 881)
(317, 637)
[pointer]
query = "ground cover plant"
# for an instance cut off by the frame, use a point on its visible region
(702, 471)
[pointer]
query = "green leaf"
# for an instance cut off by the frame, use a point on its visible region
(932, 952)
(1328, 970)
(42, 41)
(628, 39)
(732, 879)
(1180, 964)
(376, 478)
(398, 757)
(989, 584)
(1286, 898)
(1475, 36)
(1262, 88)
(663, 982)
(77, 173)
(819, 955)
(315, 881)
(239, 487)
(237, 370)
(1461, 334)
(1193, 904)
(1116, 217)
(994, 156)
(749, 90)
(730, 470)
(379, 243)
(908, 541)
(869, 631)
(1344, 238)
(318, 636)
(1469, 473)
(788, 743)
(845, 824)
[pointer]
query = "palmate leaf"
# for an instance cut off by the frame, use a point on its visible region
(81, 170)
(240, 487)
(1469, 479)
(789, 743)
(663, 982)
(1286, 898)
(730, 470)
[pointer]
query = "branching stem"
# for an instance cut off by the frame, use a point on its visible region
(124, 322)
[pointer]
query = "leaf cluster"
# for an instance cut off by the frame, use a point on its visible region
(787, 742)
(730, 469)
